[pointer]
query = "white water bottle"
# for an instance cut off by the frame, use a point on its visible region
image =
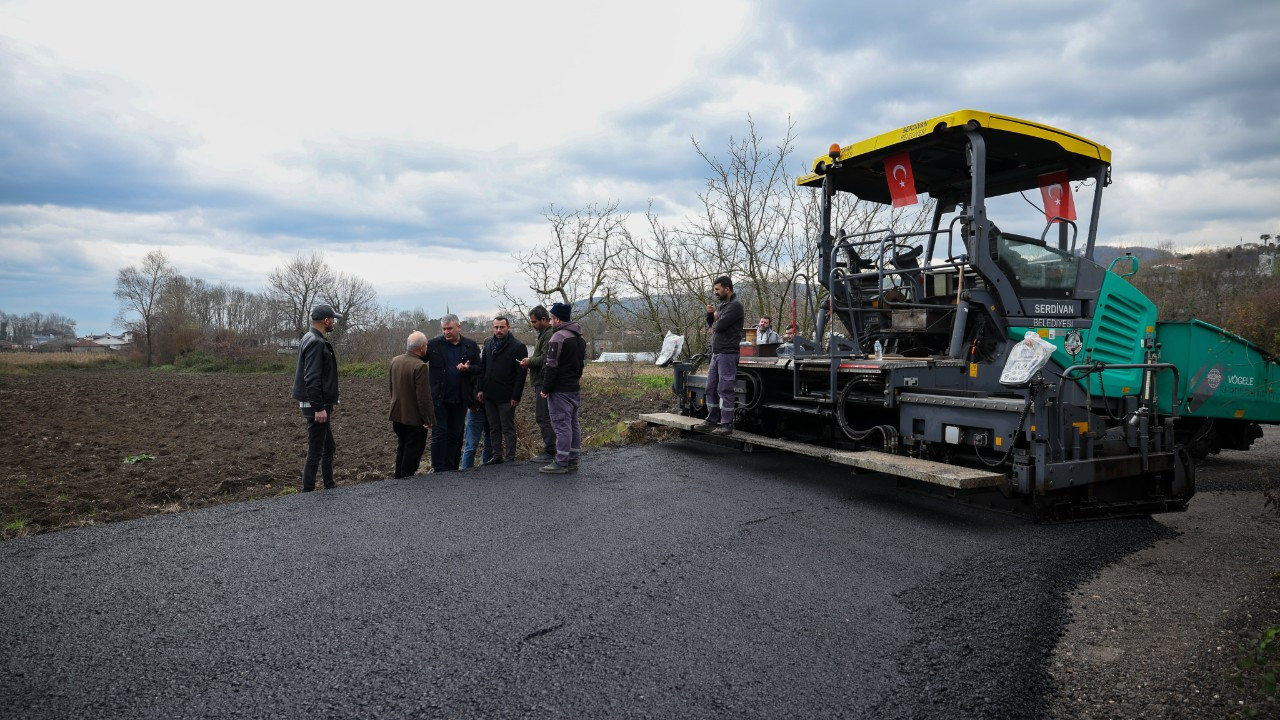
(879, 351)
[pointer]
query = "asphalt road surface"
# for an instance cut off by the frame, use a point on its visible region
(675, 580)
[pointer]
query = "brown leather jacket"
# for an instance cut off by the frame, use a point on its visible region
(411, 391)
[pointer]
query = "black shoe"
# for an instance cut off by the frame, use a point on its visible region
(723, 430)
(705, 426)
(494, 461)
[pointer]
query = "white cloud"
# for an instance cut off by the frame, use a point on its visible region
(417, 143)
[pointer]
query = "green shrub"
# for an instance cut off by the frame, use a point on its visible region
(363, 369)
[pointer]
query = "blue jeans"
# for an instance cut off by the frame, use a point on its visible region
(476, 428)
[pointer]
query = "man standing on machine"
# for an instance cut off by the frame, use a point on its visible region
(726, 334)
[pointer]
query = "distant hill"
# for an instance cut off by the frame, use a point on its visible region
(1104, 254)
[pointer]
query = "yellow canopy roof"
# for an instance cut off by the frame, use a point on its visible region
(1018, 151)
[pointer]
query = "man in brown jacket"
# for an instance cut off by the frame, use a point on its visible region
(412, 412)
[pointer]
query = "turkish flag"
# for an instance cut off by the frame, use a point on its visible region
(902, 182)
(1055, 189)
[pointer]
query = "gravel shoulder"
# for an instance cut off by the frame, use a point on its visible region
(1157, 633)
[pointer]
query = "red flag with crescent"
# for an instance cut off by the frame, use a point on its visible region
(902, 182)
(1055, 189)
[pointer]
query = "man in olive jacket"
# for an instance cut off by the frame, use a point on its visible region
(540, 321)
(500, 387)
(315, 387)
(412, 412)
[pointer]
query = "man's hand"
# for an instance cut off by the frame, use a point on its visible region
(464, 366)
(322, 416)
(711, 308)
(524, 362)
(480, 396)
(426, 426)
(542, 395)
(515, 403)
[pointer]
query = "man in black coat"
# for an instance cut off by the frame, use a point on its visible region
(315, 387)
(500, 387)
(454, 363)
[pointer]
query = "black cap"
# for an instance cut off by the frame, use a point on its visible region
(321, 312)
(561, 310)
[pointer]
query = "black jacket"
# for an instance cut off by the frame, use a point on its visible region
(316, 379)
(726, 327)
(437, 358)
(566, 354)
(503, 378)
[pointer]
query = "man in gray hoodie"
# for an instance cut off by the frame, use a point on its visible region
(726, 334)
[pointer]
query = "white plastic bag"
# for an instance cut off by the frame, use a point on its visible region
(671, 346)
(1026, 359)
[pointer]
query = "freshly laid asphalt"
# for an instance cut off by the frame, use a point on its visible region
(679, 580)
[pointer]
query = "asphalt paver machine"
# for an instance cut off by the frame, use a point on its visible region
(1012, 370)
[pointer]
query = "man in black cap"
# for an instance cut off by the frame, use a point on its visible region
(315, 387)
(562, 388)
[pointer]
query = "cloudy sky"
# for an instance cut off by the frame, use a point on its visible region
(417, 144)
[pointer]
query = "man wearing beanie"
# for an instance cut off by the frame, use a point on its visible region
(726, 332)
(562, 388)
(315, 387)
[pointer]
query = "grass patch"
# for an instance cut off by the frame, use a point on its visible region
(21, 363)
(656, 382)
(15, 528)
(200, 361)
(362, 369)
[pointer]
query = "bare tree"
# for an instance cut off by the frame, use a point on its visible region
(139, 290)
(575, 266)
(296, 286)
(354, 299)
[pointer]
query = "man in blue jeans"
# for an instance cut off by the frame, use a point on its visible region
(477, 434)
(725, 322)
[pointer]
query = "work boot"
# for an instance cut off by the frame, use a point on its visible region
(542, 457)
(724, 430)
(573, 465)
(705, 426)
(554, 469)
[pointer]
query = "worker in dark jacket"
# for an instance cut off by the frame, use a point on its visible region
(412, 411)
(540, 321)
(455, 363)
(562, 387)
(726, 334)
(315, 387)
(501, 386)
